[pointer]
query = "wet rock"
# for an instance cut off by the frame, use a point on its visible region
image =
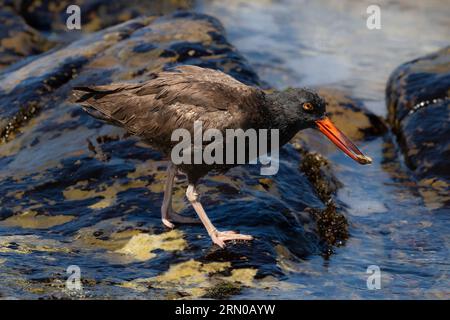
(351, 116)
(50, 15)
(419, 112)
(17, 39)
(56, 161)
(31, 27)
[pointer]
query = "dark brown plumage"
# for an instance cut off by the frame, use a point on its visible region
(174, 99)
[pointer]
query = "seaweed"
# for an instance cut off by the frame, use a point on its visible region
(331, 225)
(223, 290)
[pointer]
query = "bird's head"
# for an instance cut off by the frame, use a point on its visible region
(308, 110)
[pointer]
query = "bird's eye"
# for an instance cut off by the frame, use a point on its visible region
(307, 106)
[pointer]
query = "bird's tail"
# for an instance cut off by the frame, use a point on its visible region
(89, 97)
(81, 95)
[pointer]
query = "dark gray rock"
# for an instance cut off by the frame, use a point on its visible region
(418, 102)
(18, 40)
(50, 15)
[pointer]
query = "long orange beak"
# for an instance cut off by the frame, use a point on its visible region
(341, 141)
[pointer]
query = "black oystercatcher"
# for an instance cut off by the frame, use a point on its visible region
(177, 98)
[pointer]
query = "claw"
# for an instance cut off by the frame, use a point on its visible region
(168, 224)
(219, 237)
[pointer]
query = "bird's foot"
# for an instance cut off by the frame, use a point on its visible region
(177, 218)
(219, 237)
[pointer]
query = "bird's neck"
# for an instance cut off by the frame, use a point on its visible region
(281, 115)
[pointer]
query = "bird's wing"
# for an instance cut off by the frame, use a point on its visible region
(206, 88)
(174, 99)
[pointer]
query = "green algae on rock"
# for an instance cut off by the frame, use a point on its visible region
(31, 220)
(141, 246)
(26, 244)
(195, 279)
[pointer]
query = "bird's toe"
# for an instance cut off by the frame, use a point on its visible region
(220, 237)
(168, 224)
(218, 241)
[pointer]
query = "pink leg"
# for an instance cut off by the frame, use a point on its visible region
(167, 214)
(218, 237)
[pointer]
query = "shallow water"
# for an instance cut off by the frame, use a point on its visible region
(61, 205)
(315, 43)
(325, 42)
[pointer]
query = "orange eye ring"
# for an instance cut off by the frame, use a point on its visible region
(307, 106)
